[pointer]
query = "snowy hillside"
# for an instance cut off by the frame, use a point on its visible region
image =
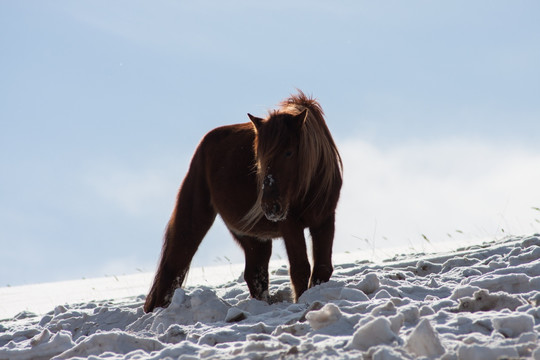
(480, 302)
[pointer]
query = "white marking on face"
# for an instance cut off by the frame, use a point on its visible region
(270, 180)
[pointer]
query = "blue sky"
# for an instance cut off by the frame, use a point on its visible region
(102, 104)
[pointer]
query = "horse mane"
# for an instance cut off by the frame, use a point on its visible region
(320, 167)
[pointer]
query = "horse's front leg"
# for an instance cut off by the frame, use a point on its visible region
(299, 268)
(257, 252)
(323, 238)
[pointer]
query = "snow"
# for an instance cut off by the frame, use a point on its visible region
(424, 341)
(377, 331)
(477, 302)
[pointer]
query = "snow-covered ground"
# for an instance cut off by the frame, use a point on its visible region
(478, 302)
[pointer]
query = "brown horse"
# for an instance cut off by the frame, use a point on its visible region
(267, 178)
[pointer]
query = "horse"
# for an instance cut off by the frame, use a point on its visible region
(268, 178)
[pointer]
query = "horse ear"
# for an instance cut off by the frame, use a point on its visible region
(300, 119)
(255, 120)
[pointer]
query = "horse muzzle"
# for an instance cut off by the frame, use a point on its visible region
(274, 211)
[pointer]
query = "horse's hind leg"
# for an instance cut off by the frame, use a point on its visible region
(257, 254)
(192, 218)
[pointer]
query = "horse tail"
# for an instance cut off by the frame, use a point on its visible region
(191, 219)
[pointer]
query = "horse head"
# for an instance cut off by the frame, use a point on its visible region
(277, 158)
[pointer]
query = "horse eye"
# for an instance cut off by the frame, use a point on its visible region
(288, 153)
